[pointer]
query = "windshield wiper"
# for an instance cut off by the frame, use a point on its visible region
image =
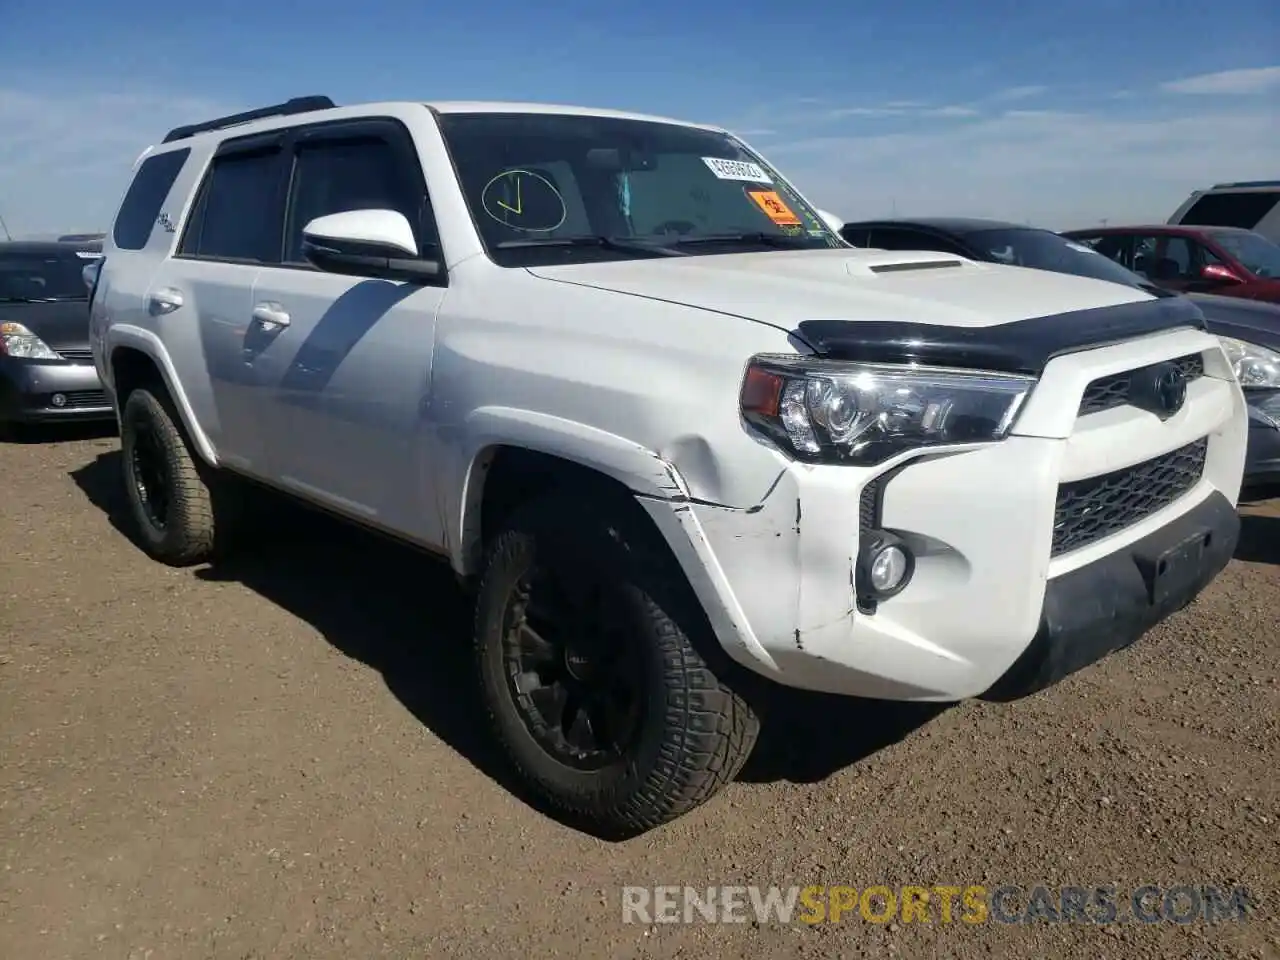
(623, 244)
(760, 237)
(31, 299)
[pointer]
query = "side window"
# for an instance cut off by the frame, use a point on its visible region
(1245, 209)
(221, 227)
(365, 173)
(1177, 261)
(1144, 256)
(146, 194)
(1113, 246)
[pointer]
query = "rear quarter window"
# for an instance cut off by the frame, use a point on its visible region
(1244, 209)
(144, 198)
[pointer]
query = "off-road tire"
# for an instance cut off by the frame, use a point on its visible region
(697, 732)
(198, 514)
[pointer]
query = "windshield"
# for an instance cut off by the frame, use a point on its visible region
(26, 277)
(551, 188)
(1042, 250)
(1255, 252)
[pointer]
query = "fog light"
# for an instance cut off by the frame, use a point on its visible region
(888, 568)
(885, 566)
(58, 400)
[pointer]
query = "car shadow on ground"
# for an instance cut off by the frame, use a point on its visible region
(403, 614)
(1259, 539)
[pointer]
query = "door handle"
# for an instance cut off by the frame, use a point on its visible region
(271, 315)
(165, 300)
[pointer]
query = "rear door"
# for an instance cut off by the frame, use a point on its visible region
(202, 297)
(348, 371)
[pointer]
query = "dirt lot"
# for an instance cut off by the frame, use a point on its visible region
(281, 759)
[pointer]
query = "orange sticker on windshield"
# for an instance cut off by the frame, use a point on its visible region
(774, 207)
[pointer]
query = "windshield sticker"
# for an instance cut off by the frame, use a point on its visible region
(736, 170)
(774, 207)
(524, 201)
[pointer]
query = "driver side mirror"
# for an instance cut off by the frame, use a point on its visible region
(1217, 273)
(833, 222)
(367, 243)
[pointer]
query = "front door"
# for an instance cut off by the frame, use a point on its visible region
(347, 361)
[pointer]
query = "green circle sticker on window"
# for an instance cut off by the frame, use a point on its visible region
(524, 200)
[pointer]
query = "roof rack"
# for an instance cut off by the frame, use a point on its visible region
(1248, 183)
(286, 109)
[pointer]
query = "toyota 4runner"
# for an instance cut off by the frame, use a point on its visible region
(667, 424)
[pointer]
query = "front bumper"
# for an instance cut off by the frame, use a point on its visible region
(30, 391)
(993, 562)
(1107, 605)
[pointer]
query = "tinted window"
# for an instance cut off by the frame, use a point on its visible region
(146, 194)
(546, 187)
(37, 276)
(1244, 210)
(237, 215)
(1255, 252)
(896, 238)
(341, 175)
(1043, 250)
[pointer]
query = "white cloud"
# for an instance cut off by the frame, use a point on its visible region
(1055, 169)
(65, 158)
(1228, 83)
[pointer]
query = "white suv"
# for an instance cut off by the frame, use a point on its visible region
(622, 376)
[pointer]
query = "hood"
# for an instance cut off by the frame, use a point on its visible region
(785, 288)
(61, 323)
(1250, 320)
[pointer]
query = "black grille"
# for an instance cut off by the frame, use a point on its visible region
(77, 356)
(1091, 509)
(1113, 391)
(79, 399)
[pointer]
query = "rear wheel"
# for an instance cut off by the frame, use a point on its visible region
(605, 705)
(179, 518)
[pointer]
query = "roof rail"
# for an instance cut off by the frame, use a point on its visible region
(286, 109)
(1248, 183)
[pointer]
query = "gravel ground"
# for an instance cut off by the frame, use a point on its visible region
(280, 759)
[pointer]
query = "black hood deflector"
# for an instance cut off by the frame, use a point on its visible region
(1024, 346)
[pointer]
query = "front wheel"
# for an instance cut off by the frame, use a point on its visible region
(606, 708)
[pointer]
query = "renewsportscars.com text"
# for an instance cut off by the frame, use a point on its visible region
(972, 904)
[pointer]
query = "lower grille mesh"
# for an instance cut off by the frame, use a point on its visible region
(1088, 510)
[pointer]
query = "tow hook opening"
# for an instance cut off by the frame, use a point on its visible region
(884, 568)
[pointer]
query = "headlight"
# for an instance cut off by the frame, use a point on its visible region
(862, 414)
(17, 341)
(1254, 366)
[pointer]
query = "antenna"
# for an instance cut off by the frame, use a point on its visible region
(8, 235)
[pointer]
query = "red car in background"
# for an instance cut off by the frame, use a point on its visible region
(1226, 261)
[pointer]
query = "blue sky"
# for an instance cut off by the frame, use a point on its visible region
(1056, 114)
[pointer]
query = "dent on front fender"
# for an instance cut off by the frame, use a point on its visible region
(742, 563)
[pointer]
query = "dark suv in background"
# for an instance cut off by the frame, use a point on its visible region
(1228, 261)
(1250, 205)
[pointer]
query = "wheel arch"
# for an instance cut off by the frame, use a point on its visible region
(136, 357)
(517, 454)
